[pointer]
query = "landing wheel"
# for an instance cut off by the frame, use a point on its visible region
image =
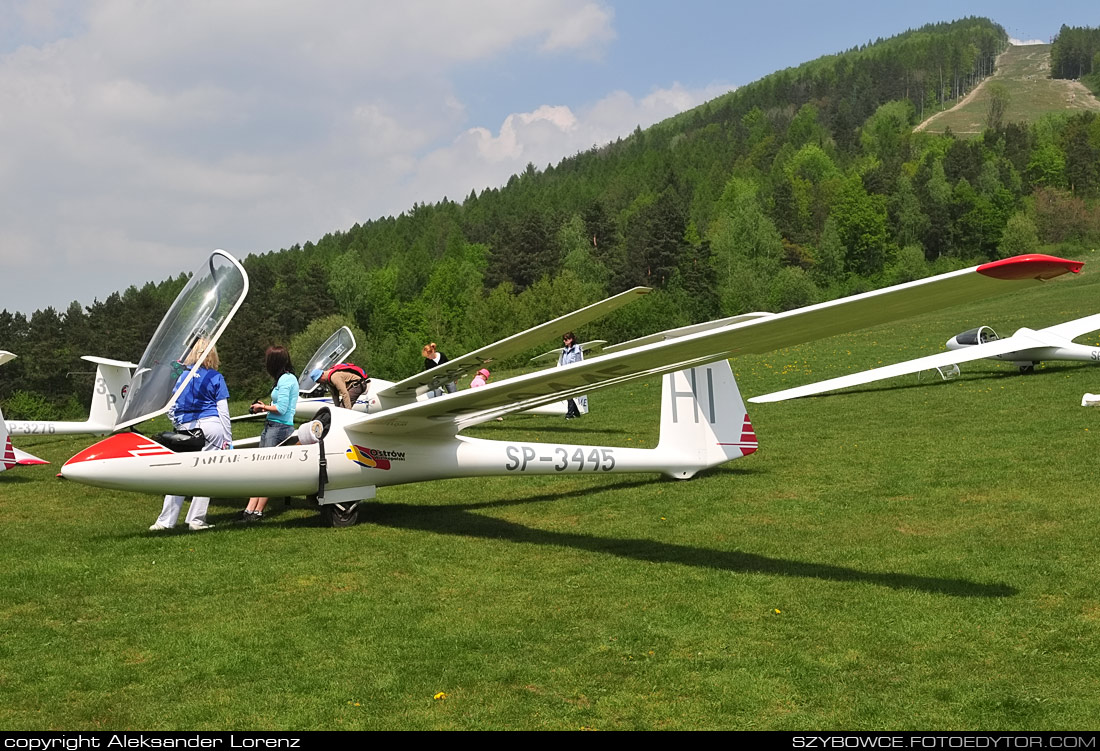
(341, 514)
(1027, 368)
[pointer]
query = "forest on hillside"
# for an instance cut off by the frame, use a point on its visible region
(805, 185)
(1075, 54)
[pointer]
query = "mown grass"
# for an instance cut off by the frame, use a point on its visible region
(1024, 71)
(900, 557)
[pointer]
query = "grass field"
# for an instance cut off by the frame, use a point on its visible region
(1025, 73)
(901, 557)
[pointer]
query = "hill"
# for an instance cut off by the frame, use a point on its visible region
(803, 186)
(1024, 71)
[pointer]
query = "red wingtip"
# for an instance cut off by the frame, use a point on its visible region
(1032, 266)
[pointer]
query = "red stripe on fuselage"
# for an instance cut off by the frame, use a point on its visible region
(120, 446)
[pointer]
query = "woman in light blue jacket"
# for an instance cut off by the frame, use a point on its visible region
(280, 414)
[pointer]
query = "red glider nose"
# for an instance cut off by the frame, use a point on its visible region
(119, 446)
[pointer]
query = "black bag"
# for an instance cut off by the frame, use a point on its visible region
(183, 439)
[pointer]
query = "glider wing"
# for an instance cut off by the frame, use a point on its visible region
(451, 413)
(458, 367)
(1073, 329)
(938, 360)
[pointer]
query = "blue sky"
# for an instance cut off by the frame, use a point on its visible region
(150, 133)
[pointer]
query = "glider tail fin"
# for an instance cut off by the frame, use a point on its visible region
(703, 419)
(111, 382)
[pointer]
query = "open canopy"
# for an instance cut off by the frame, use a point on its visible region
(337, 348)
(194, 322)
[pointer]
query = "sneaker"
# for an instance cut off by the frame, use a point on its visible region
(253, 516)
(157, 526)
(197, 525)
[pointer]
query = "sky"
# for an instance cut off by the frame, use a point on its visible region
(139, 135)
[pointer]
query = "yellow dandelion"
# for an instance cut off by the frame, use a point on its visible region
(440, 696)
(778, 611)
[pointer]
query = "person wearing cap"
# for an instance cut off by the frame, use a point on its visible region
(571, 352)
(480, 379)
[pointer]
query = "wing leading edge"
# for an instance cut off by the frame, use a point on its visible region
(453, 412)
(458, 367)
(938, 360)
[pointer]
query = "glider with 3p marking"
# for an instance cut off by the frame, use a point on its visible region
(10, 456)
(112, 379)
(703, 420)
(1025, 349)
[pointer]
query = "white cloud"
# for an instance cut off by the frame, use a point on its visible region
(479, 159)
(151, 133)
(1020, 43)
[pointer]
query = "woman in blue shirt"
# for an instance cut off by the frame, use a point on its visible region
(280, 414)
(203, 403)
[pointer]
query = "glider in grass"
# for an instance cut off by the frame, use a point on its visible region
(1025, 349)
(11, 457)
(703, 422)
(112, 379)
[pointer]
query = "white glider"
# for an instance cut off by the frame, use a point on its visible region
(703, 420)
(10, 456)
(112, 379)
(1025, 348)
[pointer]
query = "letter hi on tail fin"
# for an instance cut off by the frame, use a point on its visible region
(703, 420)
(11, 456)
(112, 378)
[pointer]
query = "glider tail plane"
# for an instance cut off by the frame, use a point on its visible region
(11, 456)
(703, 420)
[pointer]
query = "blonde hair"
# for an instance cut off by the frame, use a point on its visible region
(428, 349)
(212, 362)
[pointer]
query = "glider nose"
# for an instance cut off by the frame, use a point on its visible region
(88, 464)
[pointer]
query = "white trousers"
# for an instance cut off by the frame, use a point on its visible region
(173, 504)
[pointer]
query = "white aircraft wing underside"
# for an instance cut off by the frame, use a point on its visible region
(458, 367)
(938, 360)
(453, 412)
(1073, 329)
(694, 328)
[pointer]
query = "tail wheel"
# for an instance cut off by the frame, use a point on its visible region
(341, 515)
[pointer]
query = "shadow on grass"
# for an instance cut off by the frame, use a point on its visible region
(463, 521)
(12, 479)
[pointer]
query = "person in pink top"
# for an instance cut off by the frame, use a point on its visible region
(480, 379)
